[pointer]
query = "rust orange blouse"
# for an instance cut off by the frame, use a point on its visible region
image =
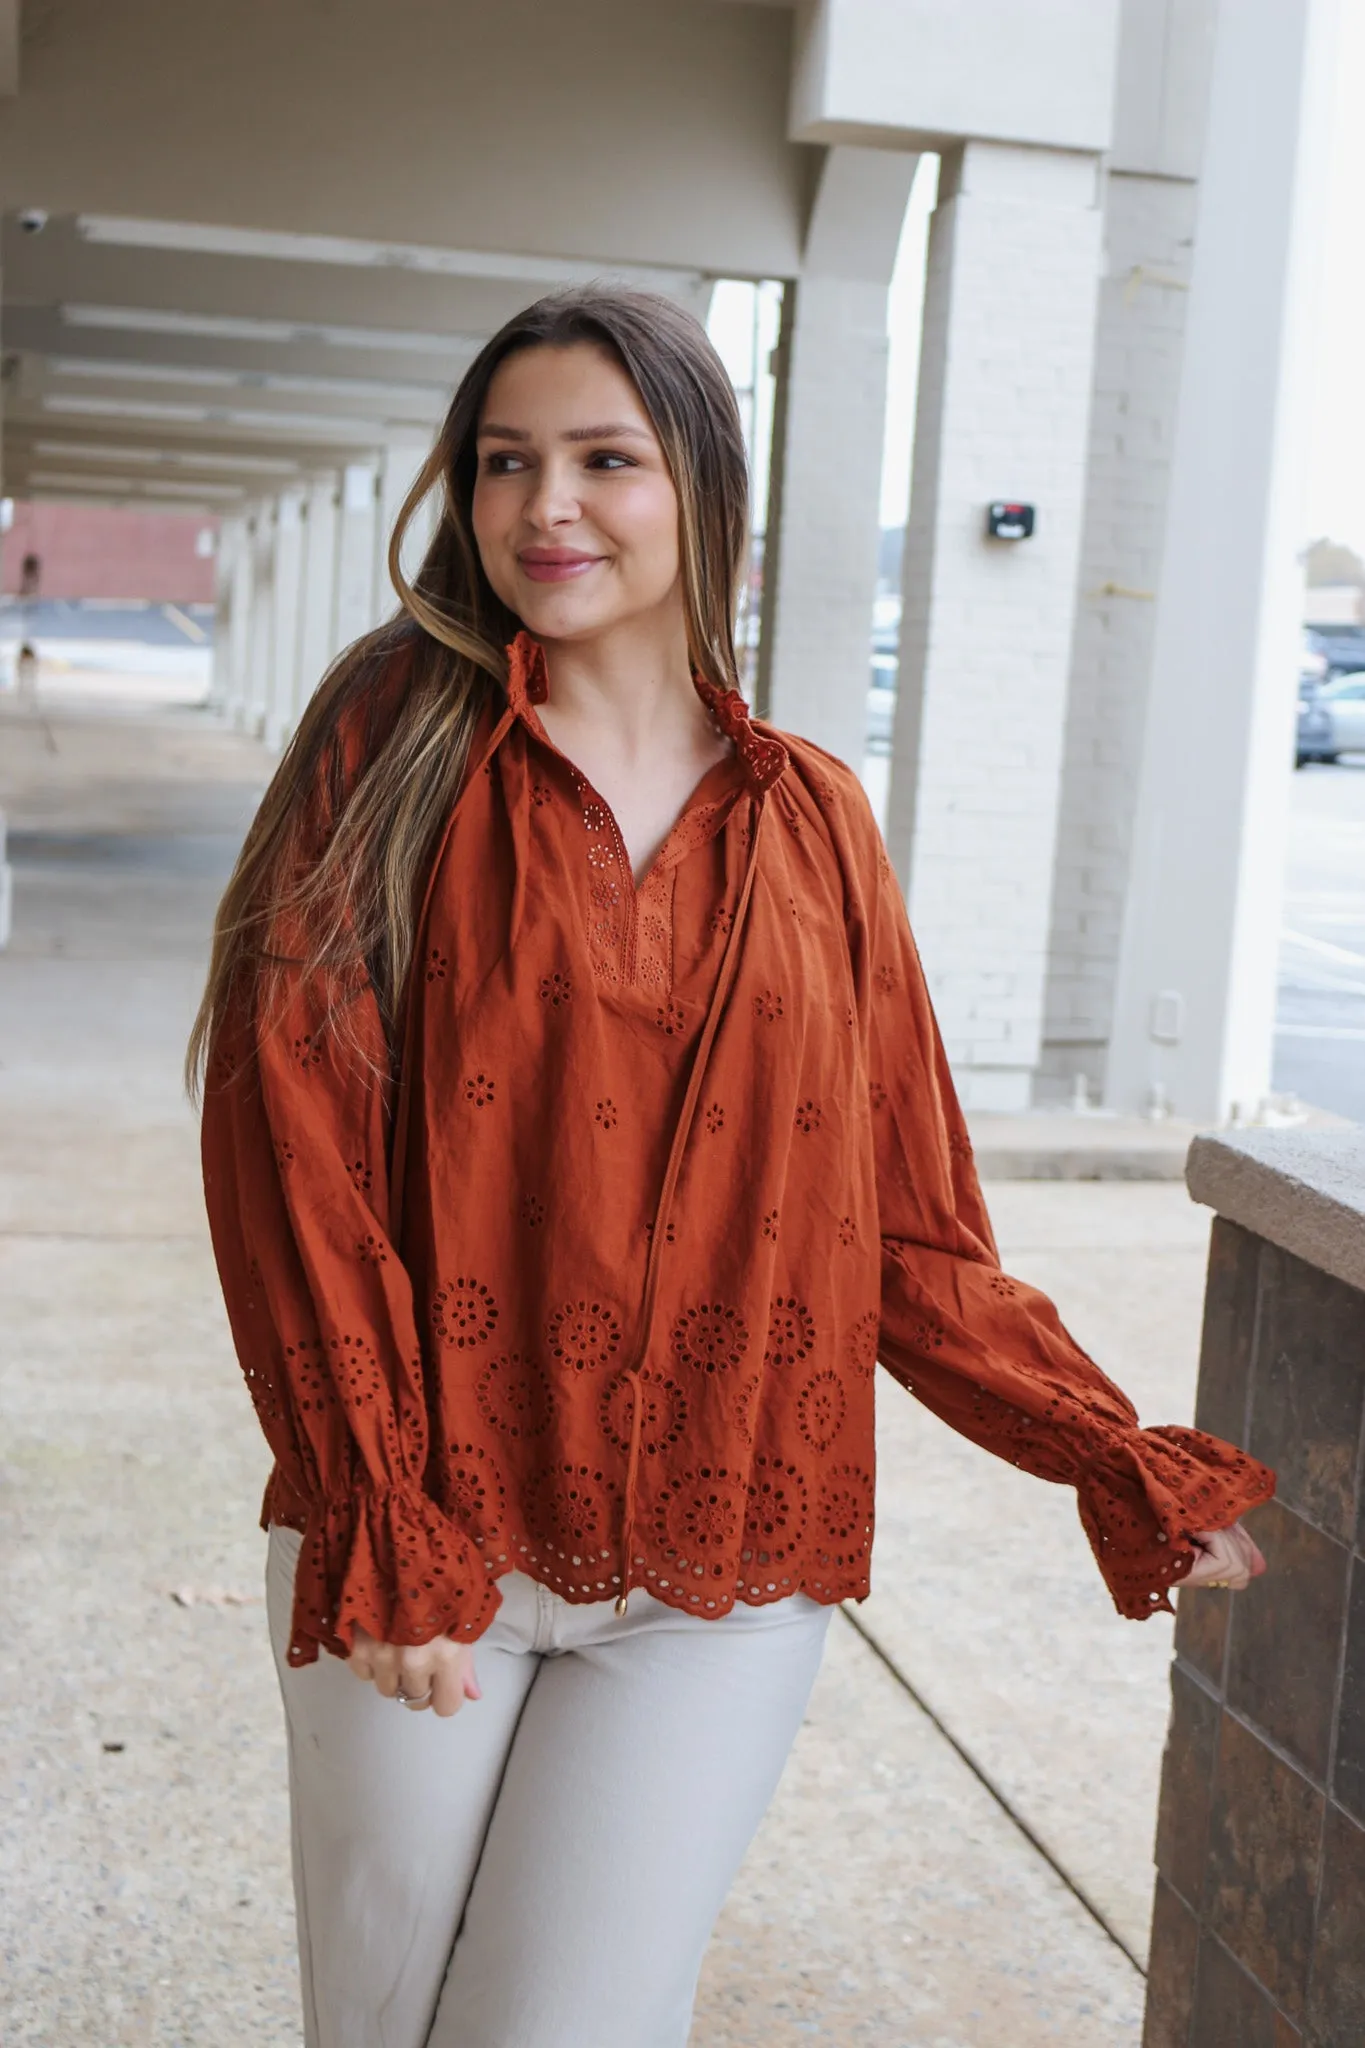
(672, 1167)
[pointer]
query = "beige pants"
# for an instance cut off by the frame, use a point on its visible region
(544, 1869)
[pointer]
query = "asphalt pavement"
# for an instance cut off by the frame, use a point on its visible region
(1320, 1035)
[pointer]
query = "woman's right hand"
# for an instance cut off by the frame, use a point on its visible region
(439, 1674)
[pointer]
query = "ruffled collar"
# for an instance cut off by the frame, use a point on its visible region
(762, 757)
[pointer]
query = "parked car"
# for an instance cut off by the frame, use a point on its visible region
(1313, 739)
(1344, 701)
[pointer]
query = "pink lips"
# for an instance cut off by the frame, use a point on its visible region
(556, 565)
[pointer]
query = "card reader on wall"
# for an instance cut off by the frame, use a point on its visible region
(1009, 522)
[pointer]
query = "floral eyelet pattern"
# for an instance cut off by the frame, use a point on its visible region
(513, 1396)
(791, 1334)
(583, 1336)
(663, 1412)
(464, 1314)
(710, 1338)
(698, 1519)
(530, 1416)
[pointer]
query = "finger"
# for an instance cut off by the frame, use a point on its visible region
(447, 1690)
(385, 1667)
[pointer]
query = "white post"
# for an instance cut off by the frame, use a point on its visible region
(398, 466)
(354, 595)
(1161, 112)
(1195, 999)
(260, 637)
(1009, 318)
(821, 555)
(284, 620)
(239, 617)
(230, 535)
(316, 642)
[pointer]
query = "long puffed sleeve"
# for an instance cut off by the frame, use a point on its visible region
(985, 1352)
(322, 1315)
(295, 1146)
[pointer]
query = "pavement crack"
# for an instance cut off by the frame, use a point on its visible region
(1001, 1798)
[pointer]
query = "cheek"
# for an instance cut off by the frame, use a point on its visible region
(649, 528)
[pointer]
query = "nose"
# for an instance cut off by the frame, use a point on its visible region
(553, 498)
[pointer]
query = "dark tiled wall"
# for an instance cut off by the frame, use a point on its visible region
(1258, 1930)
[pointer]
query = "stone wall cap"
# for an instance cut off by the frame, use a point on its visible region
(1303, 1190)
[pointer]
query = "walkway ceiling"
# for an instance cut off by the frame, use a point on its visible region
(245, 244)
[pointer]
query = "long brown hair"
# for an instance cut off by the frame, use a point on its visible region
(337, 853)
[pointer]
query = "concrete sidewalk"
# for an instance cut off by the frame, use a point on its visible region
(891, 1898)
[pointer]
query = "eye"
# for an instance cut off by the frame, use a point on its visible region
(609, 459)
(501, 462)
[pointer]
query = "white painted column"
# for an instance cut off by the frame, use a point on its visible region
(353, 612)
(238, 660)
(260, 643)
(1014, 254)
(1161, 111)
(399, 463)
(316, 643)
(1195, 1000)
(821, 556)
(284, 620)
(224, 573)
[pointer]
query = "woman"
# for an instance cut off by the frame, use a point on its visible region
(577, 1136)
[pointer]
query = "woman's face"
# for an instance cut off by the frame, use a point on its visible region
(575, 514)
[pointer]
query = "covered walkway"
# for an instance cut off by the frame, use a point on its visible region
(892, 1898)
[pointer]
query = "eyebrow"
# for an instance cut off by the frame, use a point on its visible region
(618, 430)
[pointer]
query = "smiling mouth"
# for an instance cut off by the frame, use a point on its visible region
(556, 565)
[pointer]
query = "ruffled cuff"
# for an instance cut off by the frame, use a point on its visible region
(1146, 1493)
(390, 1563)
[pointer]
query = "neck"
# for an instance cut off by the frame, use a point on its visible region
(635, 681)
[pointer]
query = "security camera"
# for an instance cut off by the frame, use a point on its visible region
(33, 220)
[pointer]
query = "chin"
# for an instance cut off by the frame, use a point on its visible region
(555, 616)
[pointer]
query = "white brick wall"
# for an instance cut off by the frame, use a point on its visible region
(1014, 261)
(1148, 247)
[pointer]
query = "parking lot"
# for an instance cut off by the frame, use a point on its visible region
(1320, 1040)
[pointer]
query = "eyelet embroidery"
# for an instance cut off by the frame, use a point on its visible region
(711, 1338)
(556, 990)
(513, 1394)
(698, 1518)
(663, 1412)
(479, 1089)
(584, 1335)
(791, 1334)
(464, 1314)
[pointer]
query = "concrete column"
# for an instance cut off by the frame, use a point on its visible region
(224, 572)
(1004, 388)
(284, 619)
(399, 463)
(1195, 999)
(1161, 109)
(820, 567)
(260, 634)
(238, 653)
(353, 612)
(316, 644)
